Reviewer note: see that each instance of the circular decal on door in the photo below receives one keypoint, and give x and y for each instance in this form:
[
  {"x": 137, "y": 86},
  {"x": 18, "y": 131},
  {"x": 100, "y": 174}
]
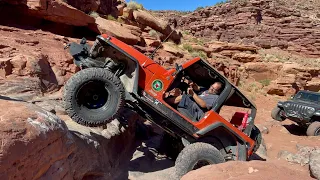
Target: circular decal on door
[{"x": 157, "y": 85}]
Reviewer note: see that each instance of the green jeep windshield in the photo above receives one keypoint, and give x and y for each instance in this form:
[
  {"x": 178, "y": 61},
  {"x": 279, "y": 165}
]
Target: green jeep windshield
[{"x": 308, "y": 97}]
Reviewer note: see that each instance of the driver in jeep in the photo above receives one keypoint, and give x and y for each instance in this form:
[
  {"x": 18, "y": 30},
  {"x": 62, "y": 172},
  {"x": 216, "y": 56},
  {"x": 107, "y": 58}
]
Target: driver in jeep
[{"x": 197, "y": 100}]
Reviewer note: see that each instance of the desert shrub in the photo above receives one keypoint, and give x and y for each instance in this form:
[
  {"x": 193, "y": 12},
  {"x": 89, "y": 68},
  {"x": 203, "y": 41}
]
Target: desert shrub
[
  {"x": 199, "y": 8},
  {"x": 110, "y": 17},
  {"x": 265, "y": 82},
  {"x": 134, "y": 5},
  {"x": 93, "y": 14},
  {"x": 200, "y": 54},
  {"x": 153, "y": 33},
  {"x": 188, "y": 47}
]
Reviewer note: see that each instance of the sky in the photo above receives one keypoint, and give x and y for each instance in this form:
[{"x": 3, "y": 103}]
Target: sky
[{"x": 180, "y": 5}]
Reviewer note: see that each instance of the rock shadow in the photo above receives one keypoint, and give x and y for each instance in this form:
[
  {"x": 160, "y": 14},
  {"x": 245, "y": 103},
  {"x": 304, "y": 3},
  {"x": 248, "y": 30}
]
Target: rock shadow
[
  {"x": 256, "y": 157},
  {"x": 147, "y": 159},
  {"x": 295, "y": 130},
  {"x": 22, "y": 19},
  {"x": 11, "y": 99}
]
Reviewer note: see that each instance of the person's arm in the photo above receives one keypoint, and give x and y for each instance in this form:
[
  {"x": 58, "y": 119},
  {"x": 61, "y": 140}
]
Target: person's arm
[
  {"x": 174, "y": 100},
  {"x": 192, "y": 84},
  {"x": 198, "y": 100},
  {"x": 195, "y": 86}
]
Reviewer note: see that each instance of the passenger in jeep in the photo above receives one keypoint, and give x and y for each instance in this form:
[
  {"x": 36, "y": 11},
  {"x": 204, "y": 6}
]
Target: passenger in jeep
[{"x": 197, "y": 100}]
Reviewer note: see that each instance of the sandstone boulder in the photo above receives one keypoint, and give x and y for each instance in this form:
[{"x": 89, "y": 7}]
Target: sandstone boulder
[
  {"x": 36, "y": 144},
  {"x": 25, "y": 88},
  {"x": 100, "y": 6},
  {"x": 147, "y": 19},
  {"x": 262, "y": 71},
  {"x": 5, "y": 67},
  {"x": 246, "y": 170},
  {"x": 313, "y": 85},
  {"x": 117, "y": 30},
  {"x": 218, "y": 46},
  {"x": 245, "y": 57},
  {"x": 169, "y": 48},
  {"x": 56, "y": 11},
  {"x": 315, "y": 163}
]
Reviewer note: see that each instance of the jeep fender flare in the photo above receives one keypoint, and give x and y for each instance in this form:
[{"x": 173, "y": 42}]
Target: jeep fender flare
[{"x": 242, "y": 148}]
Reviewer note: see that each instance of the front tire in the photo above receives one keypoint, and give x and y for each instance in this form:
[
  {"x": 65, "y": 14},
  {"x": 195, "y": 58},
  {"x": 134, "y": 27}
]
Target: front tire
[
  {"x": 93, "y": 97},
  {"x": 195, "y": 156},
  {"x": 314, "y": 129},
  {"x": 275, "y": 114}
]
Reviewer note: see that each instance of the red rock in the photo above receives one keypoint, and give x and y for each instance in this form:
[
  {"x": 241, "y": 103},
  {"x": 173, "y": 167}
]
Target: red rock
[
  {"x": 287, "y": 79},
  {"x": 245, "y": 57},
  {"x": 5, "y": 67},
  {"x": 25, "y": 88},
  {"x": 147, "y": 19},
  {"x": 151, "y": 42},
  {"x": 172, "y": 50},
  {"x": 117, "y": 30},
  {"x": 281, "y": 24},
  {"x": 313, "y": 85},
  {"x": 19, "y": 63},
  {"x": 247, "y": 170},
  {"x": 38, "y": 144}
]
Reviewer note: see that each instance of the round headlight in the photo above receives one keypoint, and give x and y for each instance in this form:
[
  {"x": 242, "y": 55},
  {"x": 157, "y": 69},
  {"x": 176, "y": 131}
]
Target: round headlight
[
  {"x": 287, "y": 105},
  {"x": 311, "y": 110}
]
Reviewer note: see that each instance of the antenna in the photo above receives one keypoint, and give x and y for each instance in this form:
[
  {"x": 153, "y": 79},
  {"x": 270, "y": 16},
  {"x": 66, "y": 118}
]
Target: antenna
[{"x": 174, "y": 28}]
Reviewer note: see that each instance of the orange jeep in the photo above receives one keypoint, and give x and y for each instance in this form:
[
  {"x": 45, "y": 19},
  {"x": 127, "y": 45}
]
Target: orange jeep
[{"x": 115, "y": 75}]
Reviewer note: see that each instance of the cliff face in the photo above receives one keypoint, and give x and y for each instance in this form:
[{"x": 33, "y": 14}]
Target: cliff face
[{"x": 292, "y": 26}]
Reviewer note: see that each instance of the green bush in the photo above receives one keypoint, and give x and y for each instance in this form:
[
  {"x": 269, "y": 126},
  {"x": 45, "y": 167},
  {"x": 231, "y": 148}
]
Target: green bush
[
  {"x": 188, "y": 47},
  {"x": 200, "y": 54},
  {"x": 93, "y": 14},
  {"x": 199, "y": 8},
  {"x": 110, "y": 17},
  {"x": 134, "y": 5},
  {"x": 265, "y": 82},
  {"x": 153, "y": 33}
]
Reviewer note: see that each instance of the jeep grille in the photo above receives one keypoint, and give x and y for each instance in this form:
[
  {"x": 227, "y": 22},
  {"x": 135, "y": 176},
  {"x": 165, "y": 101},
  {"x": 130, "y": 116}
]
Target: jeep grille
[{"x": 297, "y": 108}]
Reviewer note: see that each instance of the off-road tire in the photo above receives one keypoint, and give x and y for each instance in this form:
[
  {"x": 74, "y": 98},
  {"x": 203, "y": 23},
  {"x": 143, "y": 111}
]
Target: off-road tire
[
  {"x": 314, "y": 129},
  {"x": 99, "y": 116},
  {"x": 192, "y": 154},
  {"x": 275, "y": 114},
  {"x": 257, "y": 137}
]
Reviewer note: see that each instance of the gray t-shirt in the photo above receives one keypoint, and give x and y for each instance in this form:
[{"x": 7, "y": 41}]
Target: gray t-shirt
[{"x": 210, "y": 99}]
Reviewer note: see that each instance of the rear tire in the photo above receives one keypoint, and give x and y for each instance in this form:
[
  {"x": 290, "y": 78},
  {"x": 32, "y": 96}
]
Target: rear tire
[
  {"x": 195, "y": 156},
  {"x": 257, "y": 137},
  {"x": 93, "y": 97},
  {"x": 275, "y": 114},
  {"x": 314, "y": 129}
]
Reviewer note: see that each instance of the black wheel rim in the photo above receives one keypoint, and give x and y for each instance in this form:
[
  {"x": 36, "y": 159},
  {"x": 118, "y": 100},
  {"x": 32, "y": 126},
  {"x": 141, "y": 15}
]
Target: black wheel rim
[
  {"x": 200, "y": 164},
  {"x": 93, "y": 95}
]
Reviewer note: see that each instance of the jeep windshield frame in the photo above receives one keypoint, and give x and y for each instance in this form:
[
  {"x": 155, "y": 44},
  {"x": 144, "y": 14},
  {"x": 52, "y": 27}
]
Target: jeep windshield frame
[{"x": 307, "y": 96}]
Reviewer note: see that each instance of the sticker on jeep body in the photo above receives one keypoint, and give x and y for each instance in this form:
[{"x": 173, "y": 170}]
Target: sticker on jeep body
[{"x": 157, "y": 85}]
